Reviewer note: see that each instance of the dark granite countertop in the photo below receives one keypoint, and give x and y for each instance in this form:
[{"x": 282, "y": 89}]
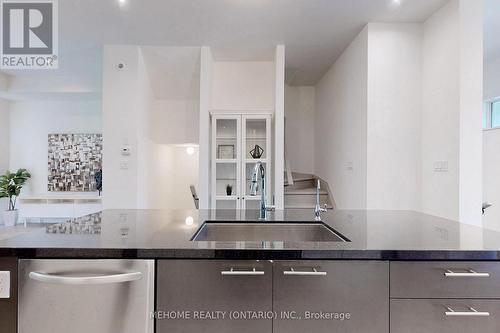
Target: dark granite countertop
[{"x": 374, "y": 235}]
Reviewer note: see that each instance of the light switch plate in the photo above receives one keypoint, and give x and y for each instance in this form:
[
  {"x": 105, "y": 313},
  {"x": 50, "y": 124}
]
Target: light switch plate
[{"x": 4, "y": 284}]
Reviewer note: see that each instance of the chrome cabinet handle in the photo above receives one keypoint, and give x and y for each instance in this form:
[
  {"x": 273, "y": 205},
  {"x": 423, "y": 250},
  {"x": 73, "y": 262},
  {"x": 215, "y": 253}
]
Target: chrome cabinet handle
[
  {"x": 472, "y": 313},
  {"x": 314, "y": 272},
  {"x": 233, "y": 272},
  {"x": 85, "y": 280},
  {"x": 469, "y": 273}
]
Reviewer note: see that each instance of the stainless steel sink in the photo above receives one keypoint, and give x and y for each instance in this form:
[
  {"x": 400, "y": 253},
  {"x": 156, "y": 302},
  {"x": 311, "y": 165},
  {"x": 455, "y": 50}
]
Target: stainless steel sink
[{"x": 267, "y": 231}]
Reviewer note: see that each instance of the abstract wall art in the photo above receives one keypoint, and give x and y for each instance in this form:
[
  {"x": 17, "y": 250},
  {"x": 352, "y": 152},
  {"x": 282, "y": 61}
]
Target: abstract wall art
[{"x": 73, "y": 160}]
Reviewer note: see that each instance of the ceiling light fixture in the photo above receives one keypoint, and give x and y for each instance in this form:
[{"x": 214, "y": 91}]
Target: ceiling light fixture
[
  {"x": 396, "y": 2},
  {"x": 190, "y": 150},
  {"x": 122, "y": 2}
]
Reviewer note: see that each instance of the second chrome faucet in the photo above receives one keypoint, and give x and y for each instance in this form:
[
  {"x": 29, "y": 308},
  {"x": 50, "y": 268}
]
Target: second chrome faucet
[{"x": 318, "y": 209}]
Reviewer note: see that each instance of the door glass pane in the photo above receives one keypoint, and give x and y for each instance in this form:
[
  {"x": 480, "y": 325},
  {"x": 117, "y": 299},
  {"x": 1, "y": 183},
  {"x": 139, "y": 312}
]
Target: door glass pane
[
  {"x": 226, "y": 184},
  {"x": 248, "y": 178},
  {"x": 226, "y": 204},
  {"x": 252, "y": 204},
  {"x": 226, "y": 138},
  {"x": 495, "y": 114},
  {"x": 255, "y": 145}
]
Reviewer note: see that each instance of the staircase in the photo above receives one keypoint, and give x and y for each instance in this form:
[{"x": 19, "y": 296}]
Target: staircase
[{"x": 302, "y": 193}]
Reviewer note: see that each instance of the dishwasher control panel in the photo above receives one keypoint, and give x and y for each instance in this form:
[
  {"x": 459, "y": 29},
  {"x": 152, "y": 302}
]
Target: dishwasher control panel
[{"x": 4, "y": 284}]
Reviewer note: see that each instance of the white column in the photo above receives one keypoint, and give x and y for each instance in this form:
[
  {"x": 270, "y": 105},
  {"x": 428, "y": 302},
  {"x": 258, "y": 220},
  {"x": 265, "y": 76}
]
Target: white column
[
  {"x": 204, "y": 138},
  {"x": 471, "y": 104},
  {"x": 279, "y": 123}
]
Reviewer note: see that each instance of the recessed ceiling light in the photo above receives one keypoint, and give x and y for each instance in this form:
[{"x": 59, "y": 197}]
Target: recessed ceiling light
[{"x": 190, "y": 150}]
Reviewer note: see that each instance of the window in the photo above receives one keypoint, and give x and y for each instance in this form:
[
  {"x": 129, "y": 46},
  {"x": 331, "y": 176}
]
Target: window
[
  {"x": 495, "y": 114},
  {"x": 491, "y": 115}
]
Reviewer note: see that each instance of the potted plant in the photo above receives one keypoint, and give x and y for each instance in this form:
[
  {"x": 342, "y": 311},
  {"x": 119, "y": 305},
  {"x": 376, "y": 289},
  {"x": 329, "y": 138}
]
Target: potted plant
[{"x": 10, "y": 187}]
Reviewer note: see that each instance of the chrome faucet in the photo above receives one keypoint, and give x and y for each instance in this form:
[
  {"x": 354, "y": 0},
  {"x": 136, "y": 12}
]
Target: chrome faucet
[
  {"x": 254, "y": 187},
  {"x": 318, "y": 209}
]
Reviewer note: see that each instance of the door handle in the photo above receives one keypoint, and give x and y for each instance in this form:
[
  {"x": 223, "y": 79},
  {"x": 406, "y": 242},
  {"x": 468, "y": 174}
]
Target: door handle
[
  {"x": 85, "y": 280},
  {"x": 469, "y": 273},
  {"x": 472, "y": 313},
  {"x": 314, "y": 272},
  {"x": 233, "y": 272}
]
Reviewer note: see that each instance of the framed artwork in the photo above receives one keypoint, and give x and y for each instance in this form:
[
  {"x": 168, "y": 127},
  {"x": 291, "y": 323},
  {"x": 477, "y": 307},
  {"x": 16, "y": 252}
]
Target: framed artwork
[
  {"x": 73, "y": 161},
  {"x": 225, "y": 151}
]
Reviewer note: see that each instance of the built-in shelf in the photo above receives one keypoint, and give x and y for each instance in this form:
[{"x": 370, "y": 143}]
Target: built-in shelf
[
  {"x": 245, "y": 130},
  {"x": 255, "y": 160},
  {"x": 226, "y": 160},
  {"x": 226, "y": 197}
]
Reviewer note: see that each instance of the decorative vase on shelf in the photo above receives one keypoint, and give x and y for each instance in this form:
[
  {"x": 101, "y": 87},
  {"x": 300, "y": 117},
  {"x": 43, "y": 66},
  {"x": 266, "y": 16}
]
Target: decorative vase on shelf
[
  {"x": 257, "y": 152},
  {"x": 10, "y": 217},
  {"x": 229, "y": 189}
]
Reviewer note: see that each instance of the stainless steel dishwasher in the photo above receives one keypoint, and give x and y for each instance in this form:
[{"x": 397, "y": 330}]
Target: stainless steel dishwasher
[{"x": 83, "y": 296}]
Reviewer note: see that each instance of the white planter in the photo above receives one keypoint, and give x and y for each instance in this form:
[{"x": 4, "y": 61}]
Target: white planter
[{"x": 10, "y": 217}]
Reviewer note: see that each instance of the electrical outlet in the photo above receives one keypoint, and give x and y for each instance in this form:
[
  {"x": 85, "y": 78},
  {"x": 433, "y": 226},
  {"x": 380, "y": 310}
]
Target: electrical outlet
[{"x": 5, "y": 284}]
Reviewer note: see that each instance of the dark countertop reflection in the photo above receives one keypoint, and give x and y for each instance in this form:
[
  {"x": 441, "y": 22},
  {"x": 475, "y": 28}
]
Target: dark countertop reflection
[{"x": 376, "y": 234}]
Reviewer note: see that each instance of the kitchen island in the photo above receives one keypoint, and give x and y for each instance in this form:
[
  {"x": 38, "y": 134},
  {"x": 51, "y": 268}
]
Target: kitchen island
[
  {"x": 153, "y": 234},
  {"x": 374, "y": 271}
]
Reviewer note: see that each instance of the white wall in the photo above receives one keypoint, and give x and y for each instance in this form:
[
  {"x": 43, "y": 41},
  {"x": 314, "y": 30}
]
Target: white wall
[
  {"x": 452, "y": 103},
  {"x": 340, "y": 125},
  {"x": 241, "y": 85},
  {"x": 440, "y": 113},
  {"x": 120, "y": 122},
  {"x": 279, "y": 126},
  {"x": 491, "y": 178},
  {"x": 492, "y": 79},
  {"x": 30, "y": 124},
  {"x": 299, "y": 127},
  {"x": 471, "y": 106},
  {"x": 175, "y": 121},
  {"x": 157, "y": 174},
  {"x": 4, "y": 135},
  {"x": 394, "y": 116},
  {"x": 204, "y": 127},
  {"x": 399, "y": 99},
  {"x": 4, "y": 147}
]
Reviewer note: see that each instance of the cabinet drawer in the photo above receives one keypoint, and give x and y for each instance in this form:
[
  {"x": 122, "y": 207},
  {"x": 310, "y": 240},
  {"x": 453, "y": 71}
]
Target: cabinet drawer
[
  {"x": 444, "y": 316},
  {"x": 445, "y": 280},
  {"x": 208, "y": 287},
  {"x": 359, "y": 289}
]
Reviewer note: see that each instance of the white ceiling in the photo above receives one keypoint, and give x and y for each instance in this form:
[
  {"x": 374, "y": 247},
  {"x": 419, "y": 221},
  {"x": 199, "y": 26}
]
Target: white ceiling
[{"x": 315, "y": 32}]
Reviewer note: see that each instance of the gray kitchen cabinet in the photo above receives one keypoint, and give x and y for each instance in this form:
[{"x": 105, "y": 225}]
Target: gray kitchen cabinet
[
  {"x": 354, "y": 293},
  {"x": 445, "y": 279},
  {"x": 200, "y": 296},
  {"x": 444, "y": 315}
]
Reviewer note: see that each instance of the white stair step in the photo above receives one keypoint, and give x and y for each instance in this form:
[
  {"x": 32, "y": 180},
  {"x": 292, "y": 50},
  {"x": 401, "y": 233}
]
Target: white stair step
[
  {"x": 304, "y": 191},
  {"x": 304, "y": 207},
  {"x": 301, "y": 180},
  {"x": 304, "y": 200}
]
